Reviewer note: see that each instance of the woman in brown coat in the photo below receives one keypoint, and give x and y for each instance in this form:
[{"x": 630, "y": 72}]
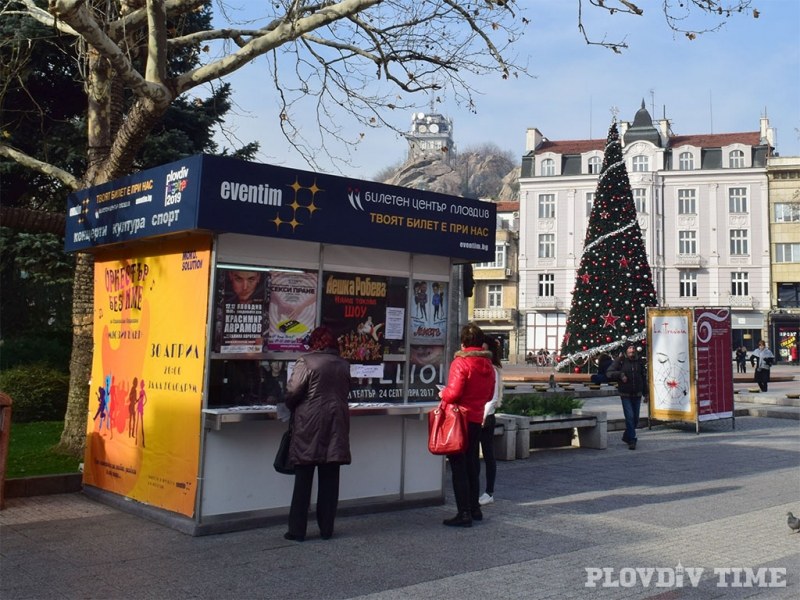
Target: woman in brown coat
[{"x": 317, "y": 396}]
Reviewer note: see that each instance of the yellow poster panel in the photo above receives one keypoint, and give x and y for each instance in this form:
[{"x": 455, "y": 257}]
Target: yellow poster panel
[
  {"x": 673, "y": 389},
  {"x": 143, "y": 430}
]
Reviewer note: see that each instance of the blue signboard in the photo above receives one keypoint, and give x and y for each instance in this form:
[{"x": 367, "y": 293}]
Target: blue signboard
[{"x": 225, "y": 195}]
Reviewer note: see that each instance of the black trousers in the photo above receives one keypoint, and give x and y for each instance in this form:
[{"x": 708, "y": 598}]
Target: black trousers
[
  {"x": 466, "y": 470},
  {"x": 762, "y": 379},
  {"x": 487, "y": 448},
  {"x": 327, "y": 498}
]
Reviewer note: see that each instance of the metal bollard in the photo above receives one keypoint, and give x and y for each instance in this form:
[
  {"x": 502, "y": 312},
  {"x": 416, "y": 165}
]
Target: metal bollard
[{"x": 5, "y": 434}]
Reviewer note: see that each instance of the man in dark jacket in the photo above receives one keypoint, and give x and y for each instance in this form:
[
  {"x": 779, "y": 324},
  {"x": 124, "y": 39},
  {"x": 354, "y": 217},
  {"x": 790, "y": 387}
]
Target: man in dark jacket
[
  {"x": 317, "y": 396},
  {"x": 630, "y": 371}
]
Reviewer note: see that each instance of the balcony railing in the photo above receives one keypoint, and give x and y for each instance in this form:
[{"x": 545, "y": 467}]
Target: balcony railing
[
  {"x": 493, "y": 314},
  {"x": 740, "y": 301},
  {"x": 688, "y": 260},
  {"x": 546, "y": 302}
]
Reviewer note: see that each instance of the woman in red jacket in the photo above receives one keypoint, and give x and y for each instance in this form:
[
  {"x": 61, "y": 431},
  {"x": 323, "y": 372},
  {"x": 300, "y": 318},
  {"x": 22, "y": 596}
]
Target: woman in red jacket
[{"x": 470, "y": 385}]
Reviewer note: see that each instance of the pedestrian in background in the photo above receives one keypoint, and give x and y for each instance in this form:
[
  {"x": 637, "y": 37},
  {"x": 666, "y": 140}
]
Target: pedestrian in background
[
  {"x": 470, "y": 385},
  {"x": 762, "y": 359},
  {"x": 487, "y": 429},
  {"x": 741, "y": 359},
  {"x": 316, "y": 394},
  {"x": 631, "y": 373}
]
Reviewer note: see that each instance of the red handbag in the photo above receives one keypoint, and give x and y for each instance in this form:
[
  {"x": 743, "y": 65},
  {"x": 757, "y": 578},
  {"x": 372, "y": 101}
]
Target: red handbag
[{"x": 447, "y": 429}]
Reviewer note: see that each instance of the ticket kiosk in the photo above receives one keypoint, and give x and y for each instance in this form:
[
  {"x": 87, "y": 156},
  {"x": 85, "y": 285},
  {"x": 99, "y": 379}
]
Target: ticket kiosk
[{"x": 209, "y": 275}]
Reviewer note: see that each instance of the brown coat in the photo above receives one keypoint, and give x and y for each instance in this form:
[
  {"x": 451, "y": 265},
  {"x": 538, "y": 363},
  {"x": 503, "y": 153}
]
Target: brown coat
[{"x": 317, "y": 396}]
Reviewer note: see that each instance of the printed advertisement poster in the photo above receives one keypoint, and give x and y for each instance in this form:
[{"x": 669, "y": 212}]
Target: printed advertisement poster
[
  {"x": 242, "y": 310},
  {"x": 713, "y": 342},
  {"x": 787, "y": 342},
  {"x": 147, "y": 373},
  {"x": 292, "y": 310},
  {"x": 425, "y": 372},
  {"x": 671, "y": 364},
  {"x": 429, "y": 312},
  {"x": 366, "y": 313}
]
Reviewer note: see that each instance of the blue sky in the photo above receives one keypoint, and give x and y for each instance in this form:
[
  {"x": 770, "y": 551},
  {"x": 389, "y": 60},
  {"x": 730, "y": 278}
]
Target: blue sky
[{"x": 720, "y": 82}]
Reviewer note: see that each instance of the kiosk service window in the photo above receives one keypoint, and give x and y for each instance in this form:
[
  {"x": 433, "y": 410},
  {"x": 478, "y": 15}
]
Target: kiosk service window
[{"x": 392, "y": 330}]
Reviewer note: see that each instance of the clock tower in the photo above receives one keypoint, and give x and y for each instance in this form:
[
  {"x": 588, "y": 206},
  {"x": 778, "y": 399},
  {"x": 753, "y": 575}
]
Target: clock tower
[{"x": 431, "y": 136}]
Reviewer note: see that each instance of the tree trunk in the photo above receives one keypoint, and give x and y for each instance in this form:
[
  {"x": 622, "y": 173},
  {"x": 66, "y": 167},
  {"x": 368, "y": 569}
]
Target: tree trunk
[{"x": 80, "y": 369}]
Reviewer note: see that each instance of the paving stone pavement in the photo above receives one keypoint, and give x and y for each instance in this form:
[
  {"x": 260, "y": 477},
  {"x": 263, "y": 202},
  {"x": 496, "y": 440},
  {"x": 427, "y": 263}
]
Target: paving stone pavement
[{"x": 716, "y": 500}]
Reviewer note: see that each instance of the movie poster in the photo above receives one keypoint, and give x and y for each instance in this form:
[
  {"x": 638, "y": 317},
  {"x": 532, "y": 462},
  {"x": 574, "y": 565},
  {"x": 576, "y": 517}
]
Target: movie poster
[
  {"x": 143, "y": 423},
  {"x": 292, "y": 310},
  {"x": 429, "y": 312},
  {"x": 241, "y": 310}
]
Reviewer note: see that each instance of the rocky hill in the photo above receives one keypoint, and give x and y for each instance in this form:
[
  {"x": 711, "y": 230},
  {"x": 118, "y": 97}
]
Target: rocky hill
[{"x": 483, "y": 173}]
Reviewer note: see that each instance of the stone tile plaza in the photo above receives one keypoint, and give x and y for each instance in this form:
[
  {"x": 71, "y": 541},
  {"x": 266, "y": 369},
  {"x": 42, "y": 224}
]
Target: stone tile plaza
[{"x": 685, "y": 516}]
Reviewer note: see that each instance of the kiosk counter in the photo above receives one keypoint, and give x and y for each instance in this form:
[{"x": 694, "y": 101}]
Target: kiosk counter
[{"x": 209, "y": 275}]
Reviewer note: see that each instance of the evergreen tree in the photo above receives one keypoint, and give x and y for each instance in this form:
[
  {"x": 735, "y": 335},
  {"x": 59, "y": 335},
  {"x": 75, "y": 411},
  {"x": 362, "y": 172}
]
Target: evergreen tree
[{"x": 614, "y": 283}]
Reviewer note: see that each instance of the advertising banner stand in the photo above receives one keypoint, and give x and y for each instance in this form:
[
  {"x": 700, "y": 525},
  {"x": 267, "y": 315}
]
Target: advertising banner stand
[
  {"x": 210, "y": 274},
  {"x": 689, "y": 364}
]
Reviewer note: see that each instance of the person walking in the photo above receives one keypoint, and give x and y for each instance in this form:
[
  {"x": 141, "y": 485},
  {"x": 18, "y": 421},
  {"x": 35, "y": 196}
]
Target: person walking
[
  {"x": 470, "y": 384},
  {"x": 741, "y": 359},
  {"x": 630, "y": 371},
  {"x": 762, "y": 359},
  {"x": 487, "y": 428},
  {"x": 316, "y": 394}
]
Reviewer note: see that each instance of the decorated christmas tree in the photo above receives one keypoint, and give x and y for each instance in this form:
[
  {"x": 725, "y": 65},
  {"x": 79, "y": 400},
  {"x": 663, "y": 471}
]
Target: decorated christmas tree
[{"x": 614, "y": 283}]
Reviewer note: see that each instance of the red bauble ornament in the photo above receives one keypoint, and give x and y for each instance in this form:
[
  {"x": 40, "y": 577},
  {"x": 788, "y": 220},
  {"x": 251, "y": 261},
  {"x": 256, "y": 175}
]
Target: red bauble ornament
[{"x": 576, "y": 370}]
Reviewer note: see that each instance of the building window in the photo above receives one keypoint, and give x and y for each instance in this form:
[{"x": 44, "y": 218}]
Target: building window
[
  {"x": 589, "y": 203},
  {"x": 740, "y": 284},
  {"x": 787, "y": 253},
  {"x": 547, "y": 245},
  {"x": 739, "y": 242},
  {"x": 595, "y": 164},
  {"x": 494, "y": 298},
  {"x": 547, "y": 285},
  {"x": 547, "y": 206},
  {"x": 688, "y": 284},
  {"x": 687, "y": 202},
  {"x": 640, "y": 164},
  {"x": 736, "y": 158},
  {"x": 737, "y": 200},
  {"x": 499, "y": 259},
  {"x": 787, "y": 212},
  {"x": 687, "y": 242},
  {"x": 548, "y": 167},
  {"x": 789, "y": 295},
  {"x": 640, "y": 199},
  {"x": 686, "y": 161}
]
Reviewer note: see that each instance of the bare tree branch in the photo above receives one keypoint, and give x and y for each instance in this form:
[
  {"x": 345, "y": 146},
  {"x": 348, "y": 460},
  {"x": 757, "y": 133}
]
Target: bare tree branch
[{"x": 41, "y": 167}]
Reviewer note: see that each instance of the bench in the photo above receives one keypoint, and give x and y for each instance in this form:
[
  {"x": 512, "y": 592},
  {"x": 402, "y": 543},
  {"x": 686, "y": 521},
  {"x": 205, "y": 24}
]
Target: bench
[{"x": 513, "y": 432}]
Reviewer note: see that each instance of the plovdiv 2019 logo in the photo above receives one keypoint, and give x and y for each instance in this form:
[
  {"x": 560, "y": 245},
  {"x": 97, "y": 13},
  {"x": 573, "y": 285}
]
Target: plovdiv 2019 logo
[{"x": 176, "y": 183}]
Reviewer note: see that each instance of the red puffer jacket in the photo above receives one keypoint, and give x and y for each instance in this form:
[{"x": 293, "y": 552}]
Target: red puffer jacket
[{"x": 471, "y": 382}]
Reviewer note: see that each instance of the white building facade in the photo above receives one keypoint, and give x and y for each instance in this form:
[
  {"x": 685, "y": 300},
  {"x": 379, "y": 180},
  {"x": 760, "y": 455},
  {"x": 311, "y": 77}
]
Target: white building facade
[{"x": 702, "y": 202}]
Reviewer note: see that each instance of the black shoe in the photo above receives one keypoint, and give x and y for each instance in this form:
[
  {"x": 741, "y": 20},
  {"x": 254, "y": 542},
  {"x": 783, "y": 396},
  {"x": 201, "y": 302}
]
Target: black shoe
[
  {"x": 625, "y": 439},
  {"x": 632, "y": 445},
  {"x": 294, "y": 538},
  {"x": 462, "y": 519},
  {"x": 325, "y": 536},
  {"x": 477, "y": 515}
]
